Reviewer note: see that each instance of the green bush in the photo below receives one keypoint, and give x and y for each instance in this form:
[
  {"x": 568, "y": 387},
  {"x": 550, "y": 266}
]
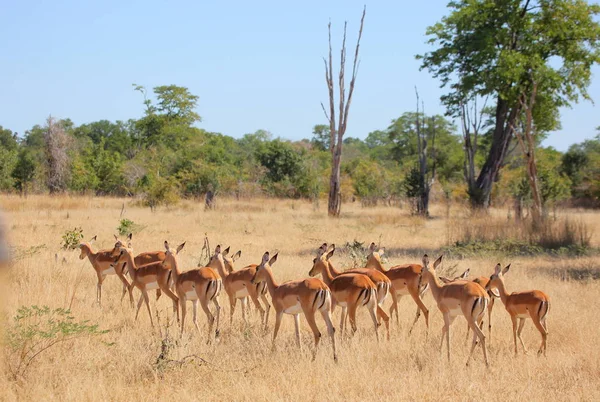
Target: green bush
[{"x": 72, "y": 239}]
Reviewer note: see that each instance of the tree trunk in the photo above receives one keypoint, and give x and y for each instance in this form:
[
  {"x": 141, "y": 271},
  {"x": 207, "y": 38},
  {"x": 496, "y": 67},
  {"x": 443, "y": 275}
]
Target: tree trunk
[
  {"x": 335, "y": 194},
  {"x": 505, "y": 118}
]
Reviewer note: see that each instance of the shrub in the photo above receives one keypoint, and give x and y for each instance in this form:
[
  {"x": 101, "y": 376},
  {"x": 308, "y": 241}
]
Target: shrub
[
  {"x": 127, "y": 226},
  {"x": 72, "y": 239}
]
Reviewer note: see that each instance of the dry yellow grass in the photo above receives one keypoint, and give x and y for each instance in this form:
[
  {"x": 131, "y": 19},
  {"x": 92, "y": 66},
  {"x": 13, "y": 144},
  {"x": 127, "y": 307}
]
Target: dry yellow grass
[{"x": 241, "y": 365}]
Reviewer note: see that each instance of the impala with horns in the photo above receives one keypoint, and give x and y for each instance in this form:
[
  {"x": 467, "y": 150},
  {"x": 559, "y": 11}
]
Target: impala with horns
[
  {"x": 199, "y": 284},
  {"x": 458, "y": 298},
  {"x": 148, "y": 277},
  {"x": 405, "y": 280},
  {"x": 294, "y": 297},
  {"x": 103, "y": 262},
  {"x": 238, "y": 285},
  {"x": 533, "y": 304},
  {"x": 349, "y": 291}
]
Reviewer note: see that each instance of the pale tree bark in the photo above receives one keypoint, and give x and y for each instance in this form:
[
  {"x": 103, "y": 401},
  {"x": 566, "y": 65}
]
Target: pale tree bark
[
  {"x": 337, "y": 129},
  {"x": 525, "y": 135},
  {"x": 426, "y": 177},
  {"x": 472, "y": 121},
  {"x": 56, "y": 146}
]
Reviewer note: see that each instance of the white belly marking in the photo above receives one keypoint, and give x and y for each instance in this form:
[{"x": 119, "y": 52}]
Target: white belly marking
[
  {"x": 295, "y": 309},
  {"x": 152, "y": 286},
  {"x": 241, "y": 293},
  {"x": 110, "y": 271},
  {"x": 191, "y": 295}
]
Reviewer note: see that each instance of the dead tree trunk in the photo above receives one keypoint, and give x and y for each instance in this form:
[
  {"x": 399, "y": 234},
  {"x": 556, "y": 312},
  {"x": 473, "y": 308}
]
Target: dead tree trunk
[
  {"x": 526, "y": 137},
  {"x": 471, "y": 124},
  {"x": 337, "y": 129},
  {"x": 426, "y": 178},
  {"x": 56, "y": 144}
]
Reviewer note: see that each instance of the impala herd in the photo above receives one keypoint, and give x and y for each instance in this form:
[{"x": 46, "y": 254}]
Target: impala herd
[{"x": 352, "y": 289}]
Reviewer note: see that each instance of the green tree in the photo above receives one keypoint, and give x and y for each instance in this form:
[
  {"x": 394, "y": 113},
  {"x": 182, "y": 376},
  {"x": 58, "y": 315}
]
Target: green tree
[
  {"x": 499, "y": 49},
  {"x": 24, "y": 170},
  {"x": 321, "y": 137},
  {"x": 8, "y": 139}
]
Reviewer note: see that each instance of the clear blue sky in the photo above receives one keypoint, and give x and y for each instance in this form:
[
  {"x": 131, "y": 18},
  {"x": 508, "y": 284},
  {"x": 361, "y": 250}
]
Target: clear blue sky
[{"x": 254, "y": 64}]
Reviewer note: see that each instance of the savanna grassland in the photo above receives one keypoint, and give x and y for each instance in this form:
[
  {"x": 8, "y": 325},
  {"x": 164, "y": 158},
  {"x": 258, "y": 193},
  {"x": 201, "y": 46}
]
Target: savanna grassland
[{"x": 122, "y": 363}]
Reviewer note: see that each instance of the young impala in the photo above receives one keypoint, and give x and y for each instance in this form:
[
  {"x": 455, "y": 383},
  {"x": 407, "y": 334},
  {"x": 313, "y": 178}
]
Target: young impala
[
  {"x": 457, "y": 298},
  {"x": 294, "y": 297},
  {"x": 237, "y": 285},
  {"x": 349, "y": 290},
  {"x": 379, "y": 279},
  {"x": 199, "y": 284},
  {"x": 148, "y": 277},
  {"x": 492, "y": 293},
  {"x": 406, "y": 279},
  {"x": 103, "y": 262},
  {"x": 533, "y": 304}
]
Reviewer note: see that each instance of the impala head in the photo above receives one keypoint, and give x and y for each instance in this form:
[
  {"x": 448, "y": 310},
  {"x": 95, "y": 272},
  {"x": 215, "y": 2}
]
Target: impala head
[
  {"x": 263, "y": 268},
  {"x": 431, "y": 270},
  {"x": 119, "y": 243},
  {"x": 321, "y": 261},
  {"x": 497, "y": 277},
  {"x": 374, "y": 257},
  {"x": 123, "y": 254},
  {"x": 170, "y": 254},
  {"x": 230, "y": 259},
  {"x": 86, "y": 248}
]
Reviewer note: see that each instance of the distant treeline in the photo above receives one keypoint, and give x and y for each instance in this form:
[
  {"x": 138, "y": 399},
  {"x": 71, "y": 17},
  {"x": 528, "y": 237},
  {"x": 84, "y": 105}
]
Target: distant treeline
[{"x": 162, "y": 156}]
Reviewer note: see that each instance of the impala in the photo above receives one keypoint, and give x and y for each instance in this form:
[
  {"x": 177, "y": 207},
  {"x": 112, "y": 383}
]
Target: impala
[
  {"x": 379, "y": 279},
  {"x": 457, "y": 298},
  {"x": 349, "y": 290},
  {"x": 533, "y": 304},
  {"x": 238, "y": 285},
  {"x": 148, "y": 277},
  {"x": 405, "y": 279},
  {"x": 103, "y": 263},
  {"x": 294, "y": 297},
  {"x": 492, "y": 293},
  {"x": 199, "y": 284}
]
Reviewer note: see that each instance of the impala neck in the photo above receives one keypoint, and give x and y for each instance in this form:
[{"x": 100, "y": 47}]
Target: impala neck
[
  {"x": 90, "y": 254},
  {"x": 334, "y": 272},
  {"x": 375, "y": 263},
  {"x": 502, "y": 291},
  {"x": 174, "y": 267},
  {"x": 434, "y": 283},
  {"x": 271, "y": 284},
  {"x": 219, "y": 265},
  {"x": 327, "y": 277}
]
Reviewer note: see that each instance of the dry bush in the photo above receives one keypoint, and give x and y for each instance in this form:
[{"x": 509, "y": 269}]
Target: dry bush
[{"x": 241, "y": 366}]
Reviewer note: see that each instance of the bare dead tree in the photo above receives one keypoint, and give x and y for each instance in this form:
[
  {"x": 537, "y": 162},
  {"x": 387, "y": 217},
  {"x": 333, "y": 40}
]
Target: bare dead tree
[
  {"x": 426, "y": 177},
  {"x": 525, "y": 134},
  {"x": 337, "y": 129},
  {"x": 56, "y": 145}
]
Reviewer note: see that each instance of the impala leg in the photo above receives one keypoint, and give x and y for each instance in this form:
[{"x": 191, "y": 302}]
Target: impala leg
[
  {"x": 540, "y": 327},
  {"x": 514, "y": 324},
  {"x": 263, "y": 297},
  {"x": 310, "y": 318},
  {"x": 175, "y": 300},
  {"x": 232, "y": 302},
  {"x": 414, "y": 292},
  {"x": 195, "y": 314},
  {"x": 139, "y": 306},
  {"x": 126, "y": 287},
  {"x": 386, "y": 320},
  {"x": 278, "y": 317},
  {"x": 297, "y": 327},
  {"x": 448, "y": 321},
  {"x": 243, "y": 302},
  {"x": 478, "y": 333},
  {"x": 183, "y": 302},
  {"x": 330, "y": 330},
  {"x": 352, "y": 315},
  {"x": 343, "y": 320},
  {"x": 373, "y": 312},
  {"x": 490, "y": 307},
  {"x": 394, "y": 306},
  {"x": 254, "y": 298},
  {"x": 147, "y": 302},
  {"x": 209, "y": 316},
  {"x": 218, "y": 314},
  {"x": 521, "y": 325},
  {"x": 99, "y": 288}
]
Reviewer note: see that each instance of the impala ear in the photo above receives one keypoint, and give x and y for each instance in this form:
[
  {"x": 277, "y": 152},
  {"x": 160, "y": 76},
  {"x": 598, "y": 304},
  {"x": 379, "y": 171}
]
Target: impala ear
[
  {"x": 218, "y": 249},
  {"x": 505, "y": 270},
  {"x": 495, "y": 292},
  {"x": 425, "y": 260},
  {"x": 372, "y": 247},
  {"x": 226, "y": 251},
  {"x": 130, "y": 236},
  {"x": 381, "y": 251},
  {"x": 330, "y": 254},
  {"x": 166, "y": 245},
  {"x": 497, "y": 269},
  {"x": 265, "y": 258},
  {"x": 116, "y": 238},
  {"x": 444, "y": 279},
  {"x": 438, "y": 261},
  {"x": 323, "y": 247},
  {"x": 180, "y": 247},
  {"x": 237, "y": 255},
  {"x": 273, "y": 259},
  {"x": 93, "y": 239},
  {"x": 465, "y": 274},
  {"x": 332, "y": 246}
]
